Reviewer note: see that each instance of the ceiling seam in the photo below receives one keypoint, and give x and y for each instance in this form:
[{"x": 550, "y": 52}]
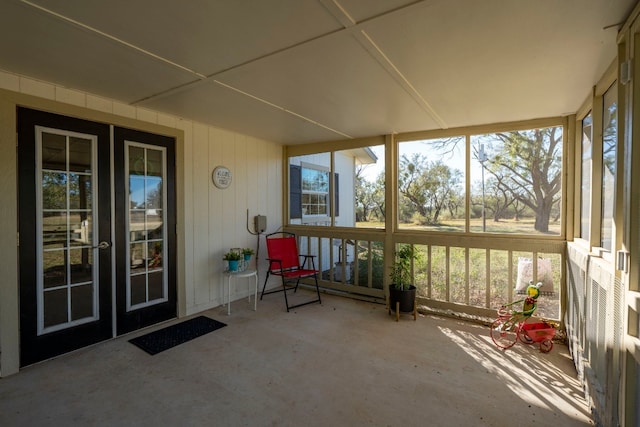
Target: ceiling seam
[
  {"x": 336, "y": 10},
  {"x": 113, "y": 38},
  {"x": 350, "y": 24},
  {"x": 388, "y": 65},
  {"x": 271, "y": 104},
  {"x": 218, "y": 74}
]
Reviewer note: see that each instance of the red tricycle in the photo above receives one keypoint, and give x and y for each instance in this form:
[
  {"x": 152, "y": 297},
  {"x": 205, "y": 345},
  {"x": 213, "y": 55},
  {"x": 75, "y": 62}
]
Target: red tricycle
[{"x": 511, "y": 325}]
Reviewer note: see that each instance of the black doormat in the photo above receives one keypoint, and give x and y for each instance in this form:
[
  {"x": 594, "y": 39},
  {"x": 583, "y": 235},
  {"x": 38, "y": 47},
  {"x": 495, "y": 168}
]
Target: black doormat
[{"x": 171, "y": 336}]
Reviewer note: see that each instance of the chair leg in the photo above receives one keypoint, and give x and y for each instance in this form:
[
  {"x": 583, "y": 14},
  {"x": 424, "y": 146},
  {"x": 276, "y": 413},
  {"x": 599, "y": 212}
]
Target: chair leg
[
  {"x": 284, "y": 290},
  {"x": 264, "y": 286},
  {"x": 317, "y": 288}
]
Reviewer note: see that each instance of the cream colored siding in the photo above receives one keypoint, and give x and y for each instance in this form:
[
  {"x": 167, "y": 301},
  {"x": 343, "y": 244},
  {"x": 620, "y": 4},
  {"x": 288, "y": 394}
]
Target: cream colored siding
[{"x": 9, "y": 335}]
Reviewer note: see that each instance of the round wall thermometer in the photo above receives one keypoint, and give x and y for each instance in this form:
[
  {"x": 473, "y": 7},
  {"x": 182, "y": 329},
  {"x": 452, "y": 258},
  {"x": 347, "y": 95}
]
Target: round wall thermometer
[{"x": 221, "y": 177}]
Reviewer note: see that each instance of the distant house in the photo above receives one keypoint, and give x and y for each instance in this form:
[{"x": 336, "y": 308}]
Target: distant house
[{"x": 310, "y": 187}]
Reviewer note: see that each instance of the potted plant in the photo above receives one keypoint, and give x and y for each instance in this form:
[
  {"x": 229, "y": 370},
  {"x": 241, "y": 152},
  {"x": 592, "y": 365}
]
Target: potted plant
[
  {"x": 247, "y": 252},
  {"x": 232, "y": 257},
  {"x": 402, "y": 292}
]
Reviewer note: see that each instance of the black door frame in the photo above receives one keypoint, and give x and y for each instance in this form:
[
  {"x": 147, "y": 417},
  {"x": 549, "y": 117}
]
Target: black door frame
[{"x": 34, "y": 348}]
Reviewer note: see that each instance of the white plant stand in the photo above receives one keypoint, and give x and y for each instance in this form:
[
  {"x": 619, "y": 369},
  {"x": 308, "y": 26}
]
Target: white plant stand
[{"x": 241, "y": 274}]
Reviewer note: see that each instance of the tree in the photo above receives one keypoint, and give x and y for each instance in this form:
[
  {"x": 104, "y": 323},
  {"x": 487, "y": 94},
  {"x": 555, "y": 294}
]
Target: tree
[
  {"x": 362, "y": 194},
  {"x": 378, "y": 197},
  {"x": 532, "y": 161},
  {"x": 498, "y": 199},
  {"x": 428, "y": 187},
  {"x": 369, "y": 196}
]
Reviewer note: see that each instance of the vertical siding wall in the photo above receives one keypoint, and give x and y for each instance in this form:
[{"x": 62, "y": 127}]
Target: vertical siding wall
[
  {"x": 218, "y": 218},
  {"x": 210, "y": 220},
  {"x": 594, "y": 322}
]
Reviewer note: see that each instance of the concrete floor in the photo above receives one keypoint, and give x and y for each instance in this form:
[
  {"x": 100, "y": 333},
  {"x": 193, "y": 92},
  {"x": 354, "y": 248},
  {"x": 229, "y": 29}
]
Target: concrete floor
[{"x": 342, "y": 363}]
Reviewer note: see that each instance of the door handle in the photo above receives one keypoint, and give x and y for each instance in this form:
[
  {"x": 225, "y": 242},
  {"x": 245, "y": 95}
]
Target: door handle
[{"x": 102, "y": 245}]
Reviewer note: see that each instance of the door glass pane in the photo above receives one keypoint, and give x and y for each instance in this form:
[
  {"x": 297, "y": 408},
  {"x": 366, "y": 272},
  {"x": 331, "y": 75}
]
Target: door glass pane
[
  {"x": 155, "y": 255},
  {"x": 137, "y": 257},
  {"x": 136, "y": 192},
  {"x": 154, "y": 193},
  {"x": 81, "y": 302},
  {"x": 155, "y": 286},
  {"x": 147, "y": 276},
  {"x": 54, "y": 190},
  {"x": 138, "y": 284},
  {"x": 136, "y": 161},
  {"x": 81, "y": 265},
  {"x": 79, "y": 154},
  {"x": 79, "y": 191},
  {"x": 80, "y": 228},
  {"x": 67, "y": 276},
  {"x": 155, "y": 228},
  {"x": 55, "y": 268},
  {"x": 154, "y": 163},
  {"x": 54, "y": 149},
  {"x": 137, "y": 228},
  {"x": 54, "y": 228},
  {"x": 55, "y": 307}
]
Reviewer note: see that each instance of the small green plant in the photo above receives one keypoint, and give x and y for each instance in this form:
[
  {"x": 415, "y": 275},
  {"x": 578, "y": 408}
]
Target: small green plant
[
  {"x": 247, "y": 251},
  {"x": 401, "y": 275},
  {"x": 232, "y": 256}
]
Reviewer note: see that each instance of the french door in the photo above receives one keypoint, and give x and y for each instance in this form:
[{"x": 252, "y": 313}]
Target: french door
[
  {"x": 96, "y": 232},
  {"x": 145, "y": 216}
]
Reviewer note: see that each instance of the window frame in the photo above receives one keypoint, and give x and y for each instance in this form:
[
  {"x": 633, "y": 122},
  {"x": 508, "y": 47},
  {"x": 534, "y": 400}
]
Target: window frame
[
  {"x": 327, "y": 194},
  {"x": 594, "y": 105},
  {"x": 603, "y": 218},
  {"x": 580, "y": 165},
  {"x": 468, "y": 133}
]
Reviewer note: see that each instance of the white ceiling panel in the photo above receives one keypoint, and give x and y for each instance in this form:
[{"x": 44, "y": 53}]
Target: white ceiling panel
[
  {"x": 361, "y": 10},
  {"x": 203, "y": 35},
  {"x": 53, "y": 50},
  {"x": 500, "y": 60},
  {"x": 335, "y": 81},
  {"x": 220, "y": 106}
]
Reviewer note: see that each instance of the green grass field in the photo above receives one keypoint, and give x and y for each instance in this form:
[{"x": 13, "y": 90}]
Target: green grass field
[{"x": 523, "y": 226}]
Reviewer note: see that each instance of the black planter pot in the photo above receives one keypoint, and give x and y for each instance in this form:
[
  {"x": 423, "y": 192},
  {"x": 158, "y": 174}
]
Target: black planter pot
[{"x": 406, "y": 298}]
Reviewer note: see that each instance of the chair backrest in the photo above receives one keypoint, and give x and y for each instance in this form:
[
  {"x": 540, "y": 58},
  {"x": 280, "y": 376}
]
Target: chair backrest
[{"x": 285, "y": 249}]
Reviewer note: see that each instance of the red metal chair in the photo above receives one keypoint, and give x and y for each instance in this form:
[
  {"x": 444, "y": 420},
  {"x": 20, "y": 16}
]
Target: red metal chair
[{"x": 284, "y": 261}]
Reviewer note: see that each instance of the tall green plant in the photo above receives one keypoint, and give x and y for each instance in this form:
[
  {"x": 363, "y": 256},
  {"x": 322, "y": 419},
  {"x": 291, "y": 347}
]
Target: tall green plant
[{"x": 401, "y": 274}]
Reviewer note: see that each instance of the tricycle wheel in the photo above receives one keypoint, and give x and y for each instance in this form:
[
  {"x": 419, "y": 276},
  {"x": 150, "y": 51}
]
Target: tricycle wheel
[
  {"x": 524, "y": 337},
  {"x": 546, "y": 346},
  {"x": 504, "y": 332}
]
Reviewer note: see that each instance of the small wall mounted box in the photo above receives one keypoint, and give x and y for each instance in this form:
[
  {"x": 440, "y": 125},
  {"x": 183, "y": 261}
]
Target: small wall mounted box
[{"x": 260, "y": 223}]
